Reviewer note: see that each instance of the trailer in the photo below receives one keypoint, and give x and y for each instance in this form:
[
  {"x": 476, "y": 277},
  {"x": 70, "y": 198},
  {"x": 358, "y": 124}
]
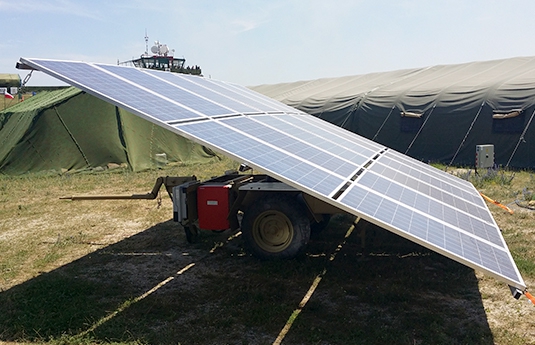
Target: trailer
[
  {"x": 313, "y": 169},
  {"x": 276, "y": 220}
]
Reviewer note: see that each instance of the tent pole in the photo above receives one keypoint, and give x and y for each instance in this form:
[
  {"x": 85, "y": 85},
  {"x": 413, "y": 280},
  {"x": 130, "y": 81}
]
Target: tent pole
[
  {"x": 420, "y": 130},
  {"x": 384, "y": 122},
  {"x": 466, "y": 135},
  {"x": 521, "y": 138},
  {"x": 72, "y": 137}
]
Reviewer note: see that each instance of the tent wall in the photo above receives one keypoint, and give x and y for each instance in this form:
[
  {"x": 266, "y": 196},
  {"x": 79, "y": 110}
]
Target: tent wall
[
  {"x": 146, "y": 142},
  {"x": 456, "y": 104},
  {"x": 68, "y": 129}
]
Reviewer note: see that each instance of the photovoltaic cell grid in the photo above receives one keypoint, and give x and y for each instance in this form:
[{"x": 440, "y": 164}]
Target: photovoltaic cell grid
[{"x": 410, "y": 198}]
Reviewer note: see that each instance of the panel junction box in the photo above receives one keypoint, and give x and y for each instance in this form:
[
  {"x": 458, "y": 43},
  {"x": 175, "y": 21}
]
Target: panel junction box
[{"x": 484, "y": 156}]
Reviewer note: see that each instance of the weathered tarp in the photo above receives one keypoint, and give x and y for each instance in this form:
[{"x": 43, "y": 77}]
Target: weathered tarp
[
  {"x": 68, "y": 129},
  {"x": 437, "y": 114},
  {"x": 8, "y": 80}
]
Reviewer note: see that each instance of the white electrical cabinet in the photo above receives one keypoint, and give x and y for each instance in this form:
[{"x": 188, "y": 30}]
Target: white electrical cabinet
[{"x": 484, "y": 156}]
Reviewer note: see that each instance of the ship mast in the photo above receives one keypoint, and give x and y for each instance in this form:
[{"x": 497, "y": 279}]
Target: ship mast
[{"x": 146, "y": 43}]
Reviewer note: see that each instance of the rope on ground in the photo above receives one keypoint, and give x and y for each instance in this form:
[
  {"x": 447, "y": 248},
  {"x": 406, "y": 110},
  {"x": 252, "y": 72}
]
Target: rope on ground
[
  {"x": 497, "y": 203},
  {"x": 527, "y": 206},
  {"x": 530, "y": 297}
]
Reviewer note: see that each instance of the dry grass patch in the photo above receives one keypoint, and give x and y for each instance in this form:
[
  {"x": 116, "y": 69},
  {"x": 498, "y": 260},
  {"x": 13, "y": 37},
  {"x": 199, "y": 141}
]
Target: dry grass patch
[
  {"x": 39, "y": 232},
  {"x": 107, "y": 271}
]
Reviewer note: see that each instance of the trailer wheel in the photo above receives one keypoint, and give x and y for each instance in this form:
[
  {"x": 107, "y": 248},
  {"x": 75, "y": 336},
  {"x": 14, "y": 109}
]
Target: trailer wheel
[{"x": 276, "y": 227}]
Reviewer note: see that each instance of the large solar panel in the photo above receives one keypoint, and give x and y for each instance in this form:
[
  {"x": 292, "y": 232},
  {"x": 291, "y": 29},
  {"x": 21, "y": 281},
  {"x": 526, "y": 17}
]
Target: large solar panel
[{"x": 398, "y": 193}]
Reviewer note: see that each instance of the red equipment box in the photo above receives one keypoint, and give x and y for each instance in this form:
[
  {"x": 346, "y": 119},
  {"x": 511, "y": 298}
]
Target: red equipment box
[{"x": 213, "y": 206}]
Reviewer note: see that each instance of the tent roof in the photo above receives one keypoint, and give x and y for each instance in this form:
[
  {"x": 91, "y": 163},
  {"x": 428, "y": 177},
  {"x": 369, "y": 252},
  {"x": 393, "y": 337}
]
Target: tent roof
[
  {"x": 43, "y": 100},
  {"x": 9, "y": 79},
  {"x": 436, "y": 114},
  {"x": 505, "y": 84}
]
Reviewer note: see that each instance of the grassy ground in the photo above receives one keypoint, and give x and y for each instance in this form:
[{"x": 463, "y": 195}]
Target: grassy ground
[{"x": 122, "y": 272}]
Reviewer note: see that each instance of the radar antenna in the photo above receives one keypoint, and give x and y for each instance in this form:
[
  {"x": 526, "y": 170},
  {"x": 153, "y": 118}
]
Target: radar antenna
[{"x": 161, "y": 49}]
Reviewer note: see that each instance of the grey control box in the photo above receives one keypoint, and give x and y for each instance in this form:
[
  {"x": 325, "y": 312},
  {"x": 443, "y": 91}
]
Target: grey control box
[{"x": 484, "y": 156}]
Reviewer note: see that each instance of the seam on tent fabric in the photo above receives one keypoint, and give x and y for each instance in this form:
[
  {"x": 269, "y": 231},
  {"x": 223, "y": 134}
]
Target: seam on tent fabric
[
  {"x": 36, "y": 149},
  {"x": 467, "y": 133},
  {"x": 151, "y": 153},
  {"x": 521, "y": 138},
  {"x": 300, "y": 88},
  {"x": 356, "y": 106},
  {"x": 384, "y": 122},
  {"x": 421, "y": 128},
  {"x": 495, "y": 86},
  {"x": 19, "y": 120},
  {"x": 72, "y": 137},
  {"x": 120, "y": 133}
]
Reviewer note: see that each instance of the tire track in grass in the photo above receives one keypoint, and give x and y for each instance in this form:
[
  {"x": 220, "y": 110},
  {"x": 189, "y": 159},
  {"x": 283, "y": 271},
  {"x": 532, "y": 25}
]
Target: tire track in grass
[
  {"x": 312, "y": 287},
  {"x": 141, "y": 297}
]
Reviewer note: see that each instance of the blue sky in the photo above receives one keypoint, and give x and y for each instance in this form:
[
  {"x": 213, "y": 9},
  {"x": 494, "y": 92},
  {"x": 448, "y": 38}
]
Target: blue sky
[{"x": 264, "y": 42}]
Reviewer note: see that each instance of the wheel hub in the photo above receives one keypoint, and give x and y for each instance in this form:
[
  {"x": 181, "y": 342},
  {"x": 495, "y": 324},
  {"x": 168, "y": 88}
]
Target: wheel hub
[{"x": 273, "y": 231}]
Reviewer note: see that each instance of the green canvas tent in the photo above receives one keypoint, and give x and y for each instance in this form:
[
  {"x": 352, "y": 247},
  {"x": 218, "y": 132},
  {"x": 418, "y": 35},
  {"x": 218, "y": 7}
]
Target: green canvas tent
[
  {"x": 9, "y": 80},
  {"x": 437, "y": 114},
  {"x": 67, "y": 129}
]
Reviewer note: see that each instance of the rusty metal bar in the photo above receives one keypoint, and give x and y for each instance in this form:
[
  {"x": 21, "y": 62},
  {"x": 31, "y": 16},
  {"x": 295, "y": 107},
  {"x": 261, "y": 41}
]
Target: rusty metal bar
[{"x": 168, "y": 181}]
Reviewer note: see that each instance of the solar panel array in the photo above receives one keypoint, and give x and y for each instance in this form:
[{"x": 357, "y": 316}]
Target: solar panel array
[{"x": 405, "y": 196}]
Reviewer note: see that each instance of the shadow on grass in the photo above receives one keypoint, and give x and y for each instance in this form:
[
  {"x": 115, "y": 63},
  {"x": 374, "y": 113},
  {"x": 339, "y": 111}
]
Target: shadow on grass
[{"x": 398, "y": 294}]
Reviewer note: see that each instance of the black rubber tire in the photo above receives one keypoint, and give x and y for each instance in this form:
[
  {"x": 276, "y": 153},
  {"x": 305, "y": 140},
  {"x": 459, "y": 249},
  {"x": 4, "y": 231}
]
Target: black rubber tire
[{"x": 276, "y": 227}]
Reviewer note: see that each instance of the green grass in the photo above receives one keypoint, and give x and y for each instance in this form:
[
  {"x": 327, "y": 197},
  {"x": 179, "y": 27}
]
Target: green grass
[{"x": 81, "y": 273}]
